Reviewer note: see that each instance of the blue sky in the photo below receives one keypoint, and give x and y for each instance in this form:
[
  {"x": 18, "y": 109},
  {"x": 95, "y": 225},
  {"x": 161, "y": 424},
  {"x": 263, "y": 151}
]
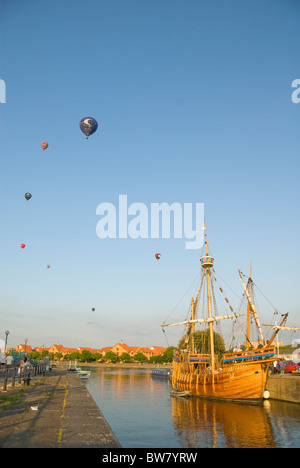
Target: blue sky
[{"x": 193, "y": 102}]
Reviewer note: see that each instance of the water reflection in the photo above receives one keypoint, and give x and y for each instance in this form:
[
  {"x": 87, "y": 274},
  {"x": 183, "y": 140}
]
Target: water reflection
[
  {"x": 140, "y": 411},
  {"x": 214, "y": 424}
]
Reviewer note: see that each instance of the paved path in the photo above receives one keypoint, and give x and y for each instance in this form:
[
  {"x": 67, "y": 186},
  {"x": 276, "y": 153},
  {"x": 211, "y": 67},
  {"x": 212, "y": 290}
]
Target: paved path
[{"x": 54, "y": 411}]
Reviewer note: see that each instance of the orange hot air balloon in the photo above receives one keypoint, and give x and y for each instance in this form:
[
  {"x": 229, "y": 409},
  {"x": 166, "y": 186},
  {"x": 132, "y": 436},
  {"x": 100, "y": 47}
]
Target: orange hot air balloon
[
  {"x": 48, "y": 266},
  {"x": 22, "y": 246},
  {"x": 44, "y": 145}
]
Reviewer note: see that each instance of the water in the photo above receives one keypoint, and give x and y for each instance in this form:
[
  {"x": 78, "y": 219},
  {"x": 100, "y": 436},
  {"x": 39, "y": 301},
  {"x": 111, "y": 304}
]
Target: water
[{"x": 141, "y": 413}]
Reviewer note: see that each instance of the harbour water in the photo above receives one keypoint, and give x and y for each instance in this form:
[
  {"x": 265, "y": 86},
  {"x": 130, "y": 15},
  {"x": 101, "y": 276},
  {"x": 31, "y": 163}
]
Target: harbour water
[{"x": 141, "y": 413}]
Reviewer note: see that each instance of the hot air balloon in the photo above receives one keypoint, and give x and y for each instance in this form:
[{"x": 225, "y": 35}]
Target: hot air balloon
[
  {"x": 22, "y": 246},
  {"x": 88, "y": 126},
  {"x": 157, "y": 256},
  {"x": 93, "y": 309},
  {"x": 48, "y": 266},
  {"x": 44, "y": 145},
  {"x": 27, "y": 196}
]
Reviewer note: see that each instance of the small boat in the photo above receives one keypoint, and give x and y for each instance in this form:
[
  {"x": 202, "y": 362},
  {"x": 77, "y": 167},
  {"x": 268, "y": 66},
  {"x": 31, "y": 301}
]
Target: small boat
[
  {"x": 84, "y": 374},
  {"x": 165, "y": 373},
  {"x": 178, "y": 393},
  {"x": 75, "y": 368}
]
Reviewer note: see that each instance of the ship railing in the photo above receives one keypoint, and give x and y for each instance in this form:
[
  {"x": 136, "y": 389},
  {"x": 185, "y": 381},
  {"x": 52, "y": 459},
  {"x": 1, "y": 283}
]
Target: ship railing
[
  {"x": 253, "y": 355},
  {"x": 199, "y": 357},
  {"x": 186, "y": 356}
]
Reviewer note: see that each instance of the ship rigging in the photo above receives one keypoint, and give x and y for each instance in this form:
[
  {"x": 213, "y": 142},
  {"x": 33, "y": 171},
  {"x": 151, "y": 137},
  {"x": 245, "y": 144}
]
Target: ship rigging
[{"x": 206, "y": 369}]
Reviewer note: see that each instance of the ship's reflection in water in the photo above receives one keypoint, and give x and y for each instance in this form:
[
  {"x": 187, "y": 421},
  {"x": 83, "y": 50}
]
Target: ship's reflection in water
[
  {"x": 208, "y": 423},
  {"x": 140, "y": 411}
]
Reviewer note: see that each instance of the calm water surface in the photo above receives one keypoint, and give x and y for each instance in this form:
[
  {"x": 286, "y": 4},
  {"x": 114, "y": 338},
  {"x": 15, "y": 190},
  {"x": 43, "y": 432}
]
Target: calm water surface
[{"x": 141, "y": 413}]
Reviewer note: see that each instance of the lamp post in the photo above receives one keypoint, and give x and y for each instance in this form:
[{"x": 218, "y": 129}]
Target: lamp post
[
  {"x": 6, "y": 336},
  {"x": 26, "y": 341}
]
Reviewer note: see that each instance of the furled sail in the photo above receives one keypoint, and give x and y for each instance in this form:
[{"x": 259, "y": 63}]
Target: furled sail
[
  {"x": 205, "y": 320},
  {"x": 252, "y": 308},
  {"x": 279, "y": 327}
]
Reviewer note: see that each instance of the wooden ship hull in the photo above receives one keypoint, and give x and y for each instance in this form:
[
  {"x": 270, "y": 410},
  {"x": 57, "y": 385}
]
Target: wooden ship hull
[
  {"x": 243, "y": 382},
  {"x": 240, "y": 376}
]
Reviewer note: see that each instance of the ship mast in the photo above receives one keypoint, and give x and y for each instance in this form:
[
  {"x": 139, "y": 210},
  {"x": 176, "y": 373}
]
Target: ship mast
[
  {"x": 253, "y": 309},
  {"x": 277, "y": 328},
  {"x": 207, "y": 263},
  {"x": 248, "y": 311},
  {"x": 193, "y": 326}
]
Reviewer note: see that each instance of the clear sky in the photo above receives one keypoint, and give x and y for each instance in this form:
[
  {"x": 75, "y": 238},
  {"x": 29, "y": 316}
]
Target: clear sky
[{"x": 193, "y": 102}]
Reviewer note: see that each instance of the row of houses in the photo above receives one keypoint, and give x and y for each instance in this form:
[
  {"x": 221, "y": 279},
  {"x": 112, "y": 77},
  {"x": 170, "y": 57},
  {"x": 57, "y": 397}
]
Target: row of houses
[{"x": 117, "y": 349}]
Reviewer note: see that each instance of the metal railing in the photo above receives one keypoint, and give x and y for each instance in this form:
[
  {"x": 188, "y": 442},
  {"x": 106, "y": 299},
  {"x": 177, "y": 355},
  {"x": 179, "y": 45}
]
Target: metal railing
[{"x": 19, "y": 375}]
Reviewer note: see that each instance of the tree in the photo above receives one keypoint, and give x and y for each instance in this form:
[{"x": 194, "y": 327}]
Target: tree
[
  {"x": 140, "y": 357},
  {"x": 110, "y": 356},
  {"x": 125, "y": 357},
  {"x": 86, "y": 355},
  {"x": 202, "y": 342},
  {"x": 73, "y": 356},
  {"x": 168, "y": 354},
  {"x": 157, "y": 359},
  {"x": 58, "y": 356},
  {"x": 96, "y": 356}
]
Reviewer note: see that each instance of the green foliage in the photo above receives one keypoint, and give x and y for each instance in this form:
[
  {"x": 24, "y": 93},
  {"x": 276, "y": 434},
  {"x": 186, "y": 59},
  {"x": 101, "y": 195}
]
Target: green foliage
[
  {"x": 86, "y": 355},
  {"x": 96, "y": 356},
  {"x": 73, "y": 356},
  {"x": 125, "y": 357},
  {"x": 8, "y": 402},
  {"x": 202, "y": 342},
  {"x": 140, "y": 357},
  {"x": 168, "y": 354},
  {"x": 156, "y": 360},
  {"x": 110, "y": 356}
]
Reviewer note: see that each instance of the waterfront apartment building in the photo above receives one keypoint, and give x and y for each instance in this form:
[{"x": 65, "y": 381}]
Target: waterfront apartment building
[{"x": 118, "y": 349}]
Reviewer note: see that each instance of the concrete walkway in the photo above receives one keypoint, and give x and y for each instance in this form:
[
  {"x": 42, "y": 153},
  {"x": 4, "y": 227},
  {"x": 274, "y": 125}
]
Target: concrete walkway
[{"x": 54, "y": 411}]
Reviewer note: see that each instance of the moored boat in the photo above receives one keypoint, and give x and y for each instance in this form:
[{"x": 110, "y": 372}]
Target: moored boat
[
  {"x": 84, "y": 374},
  {"x": 181, "y": 394},
  {"x": 164, "y": 373},
  {"x": 236, "y": 376},
  {"x": 73, "y": 368}
]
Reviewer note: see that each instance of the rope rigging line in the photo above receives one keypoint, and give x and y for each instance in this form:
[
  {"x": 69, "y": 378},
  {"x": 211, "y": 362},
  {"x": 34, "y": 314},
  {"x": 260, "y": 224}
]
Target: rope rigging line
[
  {"x": 262, "y": 294},
  {"x": 218, "y": 325},
  {"x": 164, "y": 331},
  {"x": 227, "y": 285},
  {"x": 197, "y": 276},
  {"x": 226, "y": 300}
]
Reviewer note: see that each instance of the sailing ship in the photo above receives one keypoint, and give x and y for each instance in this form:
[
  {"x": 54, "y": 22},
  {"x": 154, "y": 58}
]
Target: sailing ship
[{"x": 238, "y": 376}]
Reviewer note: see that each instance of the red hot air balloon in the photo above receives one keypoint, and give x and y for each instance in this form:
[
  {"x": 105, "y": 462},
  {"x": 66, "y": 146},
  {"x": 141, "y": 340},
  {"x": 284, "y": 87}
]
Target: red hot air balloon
[
  {"x": 22, "y": 246},
  {"x": 44, "y": 145},
  {"x": 157, "y": 256}
]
